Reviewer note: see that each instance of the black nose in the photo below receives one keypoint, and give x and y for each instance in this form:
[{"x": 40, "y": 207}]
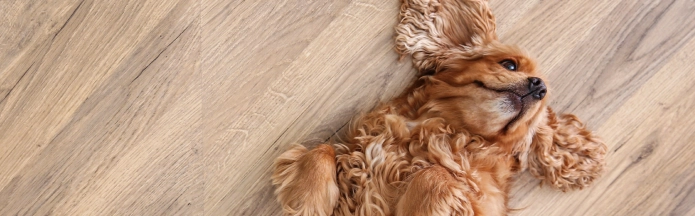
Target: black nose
[{"x": 537, "y": 87}]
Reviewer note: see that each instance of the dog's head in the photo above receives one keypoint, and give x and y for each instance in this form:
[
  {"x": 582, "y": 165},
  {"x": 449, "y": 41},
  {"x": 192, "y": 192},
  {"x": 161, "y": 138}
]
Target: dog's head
[{"x": 494, "y": 90}]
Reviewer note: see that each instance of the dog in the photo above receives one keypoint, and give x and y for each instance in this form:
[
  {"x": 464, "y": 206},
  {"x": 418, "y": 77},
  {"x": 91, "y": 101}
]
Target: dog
[{"x": 452, "y": 143}]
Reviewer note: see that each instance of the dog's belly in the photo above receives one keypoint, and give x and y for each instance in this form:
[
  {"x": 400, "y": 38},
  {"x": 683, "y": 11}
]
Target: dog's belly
[
  {"x": 493, "y": 174},
  {"x": 494, "y": 199},
  {"x": 372, "y": 170},
  {"x": 372, "y": 180}
]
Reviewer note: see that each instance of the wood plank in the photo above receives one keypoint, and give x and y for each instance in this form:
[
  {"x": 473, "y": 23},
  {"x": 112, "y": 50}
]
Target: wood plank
[
  {"x": 621, "y": 53},
  {"x": 108, "y": 87}
]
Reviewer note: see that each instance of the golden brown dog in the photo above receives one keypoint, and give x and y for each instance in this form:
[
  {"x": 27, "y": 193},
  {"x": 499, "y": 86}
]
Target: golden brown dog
[{"x": 450, "y": 144}]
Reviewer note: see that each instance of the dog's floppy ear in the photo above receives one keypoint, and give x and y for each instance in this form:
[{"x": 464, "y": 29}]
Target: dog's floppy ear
[
  {"x": 431, "y": 30},
  {"x": 566, "y": 155}
]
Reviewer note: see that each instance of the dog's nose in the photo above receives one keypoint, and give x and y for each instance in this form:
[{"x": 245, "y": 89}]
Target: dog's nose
[{"x": 537, "y": 87}]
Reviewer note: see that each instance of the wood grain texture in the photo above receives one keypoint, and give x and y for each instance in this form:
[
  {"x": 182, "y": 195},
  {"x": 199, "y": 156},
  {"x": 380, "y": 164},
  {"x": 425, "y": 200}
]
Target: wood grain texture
[{"x": 179, "y": 107}]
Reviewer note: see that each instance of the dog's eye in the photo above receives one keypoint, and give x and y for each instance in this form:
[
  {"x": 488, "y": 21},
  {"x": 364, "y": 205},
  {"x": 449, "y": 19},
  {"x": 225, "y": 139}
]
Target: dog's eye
[{"x": 508, "y": 64}]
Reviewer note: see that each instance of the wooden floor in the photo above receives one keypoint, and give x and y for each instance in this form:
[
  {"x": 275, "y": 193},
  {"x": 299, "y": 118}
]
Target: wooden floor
[{"x": 179, "y": 107}]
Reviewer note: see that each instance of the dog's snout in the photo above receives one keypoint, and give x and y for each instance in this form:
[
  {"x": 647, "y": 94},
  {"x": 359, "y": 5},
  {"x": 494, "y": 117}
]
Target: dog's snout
[{"x": 537, "y": 87}]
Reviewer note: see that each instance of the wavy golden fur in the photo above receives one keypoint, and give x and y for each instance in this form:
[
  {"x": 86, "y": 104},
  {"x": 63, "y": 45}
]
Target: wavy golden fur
[{"x": 451, "y": 143}]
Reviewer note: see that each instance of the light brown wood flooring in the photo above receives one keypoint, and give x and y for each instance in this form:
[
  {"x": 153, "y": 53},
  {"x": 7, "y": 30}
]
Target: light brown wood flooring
[{"x": 145, "y": 107}]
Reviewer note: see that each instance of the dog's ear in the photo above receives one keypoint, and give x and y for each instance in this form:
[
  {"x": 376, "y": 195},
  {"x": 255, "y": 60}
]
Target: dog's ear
[
  {"x": 431, "y": 30},
  {"x": 566, "y": 155}
]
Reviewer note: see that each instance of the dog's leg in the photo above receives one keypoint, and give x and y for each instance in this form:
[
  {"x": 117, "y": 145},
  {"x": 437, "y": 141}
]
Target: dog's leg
[
  {"x": 305, "y": 180},
  {"x": 434, "y": 191}
]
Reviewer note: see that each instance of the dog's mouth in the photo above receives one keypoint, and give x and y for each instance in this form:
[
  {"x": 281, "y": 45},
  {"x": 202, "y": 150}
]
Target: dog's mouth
[
  {"x": 518, "y": 102},
  {"x": 520, "y": 105}
]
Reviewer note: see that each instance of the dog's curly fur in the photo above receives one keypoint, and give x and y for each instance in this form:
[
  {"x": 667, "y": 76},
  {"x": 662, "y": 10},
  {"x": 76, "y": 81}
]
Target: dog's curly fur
[{"x": 452, "y": 142}]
